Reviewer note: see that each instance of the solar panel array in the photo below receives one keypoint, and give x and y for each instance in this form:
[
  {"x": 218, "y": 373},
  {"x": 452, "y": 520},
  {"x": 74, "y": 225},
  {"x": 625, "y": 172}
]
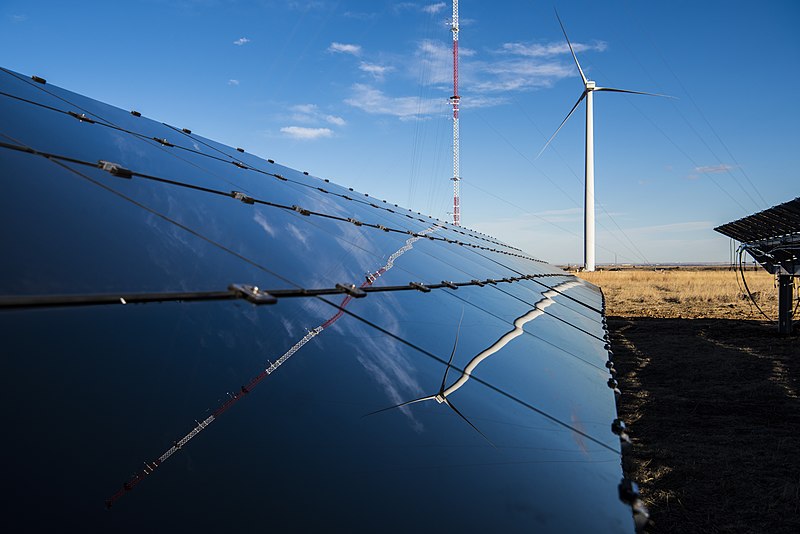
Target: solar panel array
[
  {"x": 771, "y": 236},
  {"x": 777, "y": 221},
  {"x": 197, "y": 338}
]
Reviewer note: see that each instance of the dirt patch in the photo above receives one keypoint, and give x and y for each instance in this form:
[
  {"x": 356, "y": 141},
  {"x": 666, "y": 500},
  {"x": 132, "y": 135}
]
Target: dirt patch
[{"x": 713, "y": 410}]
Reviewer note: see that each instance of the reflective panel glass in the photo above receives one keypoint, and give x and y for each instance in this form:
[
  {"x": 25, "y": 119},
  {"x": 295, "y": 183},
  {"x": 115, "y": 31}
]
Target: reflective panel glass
[{"x": 484, "y": 407}]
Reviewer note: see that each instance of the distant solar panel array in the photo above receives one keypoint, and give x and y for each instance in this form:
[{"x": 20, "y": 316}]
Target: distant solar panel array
[
  {"x": 772, "y": 238},
  {"x": 413, "y": 375}
]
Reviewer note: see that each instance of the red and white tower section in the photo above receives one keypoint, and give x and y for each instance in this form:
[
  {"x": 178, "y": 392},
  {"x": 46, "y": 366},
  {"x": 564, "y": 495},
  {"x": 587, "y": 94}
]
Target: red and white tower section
[{"x": 454, "y": 100}]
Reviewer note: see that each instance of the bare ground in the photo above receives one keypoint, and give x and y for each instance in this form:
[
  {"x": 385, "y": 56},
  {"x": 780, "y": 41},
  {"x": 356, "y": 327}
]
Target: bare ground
[{"x": 710, "y": 394}]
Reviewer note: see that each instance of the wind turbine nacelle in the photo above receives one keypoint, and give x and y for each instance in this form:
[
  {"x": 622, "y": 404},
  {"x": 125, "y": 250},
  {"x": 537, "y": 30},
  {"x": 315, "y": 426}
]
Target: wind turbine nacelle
[{"x": 590, "y": 85}]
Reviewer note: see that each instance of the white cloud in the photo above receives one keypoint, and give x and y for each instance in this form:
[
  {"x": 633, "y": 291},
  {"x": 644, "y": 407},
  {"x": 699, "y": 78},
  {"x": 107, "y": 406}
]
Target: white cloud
[
  {"x": 310, "y": 113},
  {"x": 240, "y": 41},
  {"x": 374, "y": 101},
  {"x": 300, "y": 132},
  {"x": 432, "y": 9},
  {"x": 714, "y": 169},
  {"x": 375, "y": 70},
  {"x": 691, "y": 226},
  {"x": 263, "y": 223},
  {"x": 233, "y": 82},
  {"x": 333, "y": 119},
  {"x": 550, "y": 49},
  {"x": 19, "y": 18},
  {"x": 343, "y": 48},
  {"x": 307, "y": 109}
]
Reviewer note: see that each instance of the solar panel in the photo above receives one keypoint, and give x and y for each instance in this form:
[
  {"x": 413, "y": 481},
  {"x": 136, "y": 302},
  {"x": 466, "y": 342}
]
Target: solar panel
[
  {"x": 197, "y": 338},
  {"x": 771, "y": 236},
  {"x": 775, "y": 222}
]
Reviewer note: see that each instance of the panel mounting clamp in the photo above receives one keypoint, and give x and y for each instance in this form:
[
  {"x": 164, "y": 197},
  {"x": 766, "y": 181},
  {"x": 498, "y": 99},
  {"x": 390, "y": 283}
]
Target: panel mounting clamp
[
  {"x": 81, "y": 117},
  {"x": 115, "y": 168},
  {"x": 352, "y": 290},
  {"x": 252, "y": 294},
  {"x": 420, "y": 287},
  {"x": 301, "y": 211},
  {"x": 238, "y": 195}
]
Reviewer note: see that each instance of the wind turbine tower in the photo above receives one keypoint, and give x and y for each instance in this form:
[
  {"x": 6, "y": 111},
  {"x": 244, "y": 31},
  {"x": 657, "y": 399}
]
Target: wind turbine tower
[
  {"x": 454, "y": 100},
  {"x": 589, "y": 87}
]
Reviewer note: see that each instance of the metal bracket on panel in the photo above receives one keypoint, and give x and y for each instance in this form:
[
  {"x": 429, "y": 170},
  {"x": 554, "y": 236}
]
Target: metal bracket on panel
[
  {"x": 420, "y": 287},
  {"x": 352, "y": 290},
  {"x": 449, "y": 284},
  {"x": 239, "y": 149},
  {"x": 252, "y": 294},
  {"x": 477, "y": 283},
  {"x": 618, "y": 426},
  {"x": 38, "y": 79},
  {"x": 81, "y": 117},
  {"x": 163, "y": 141},
  {"x": 354, "y": 221},
  {"x": 382, "y": 227},
  {"x": 301, "y": 211},
  {"x": 280, "y": 177},
  {"x": 238, "y": 195},
  {"x": 135, "y": 113},
  {"x": 115, "y": 168}
]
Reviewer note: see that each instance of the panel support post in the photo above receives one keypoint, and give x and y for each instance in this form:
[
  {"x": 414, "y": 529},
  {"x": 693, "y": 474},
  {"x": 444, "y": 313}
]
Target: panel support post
[{"x": 785, "y": 294}]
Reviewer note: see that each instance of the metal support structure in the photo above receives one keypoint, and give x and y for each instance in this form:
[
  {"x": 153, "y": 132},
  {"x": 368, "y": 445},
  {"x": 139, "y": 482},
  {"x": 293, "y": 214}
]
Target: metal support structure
[
  {"x": 785, "y": 301},
  {"x": 454, "y": 100}
]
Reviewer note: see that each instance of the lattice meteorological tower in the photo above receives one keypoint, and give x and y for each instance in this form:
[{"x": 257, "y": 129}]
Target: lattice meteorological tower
[{"x": 454, "y": 100}]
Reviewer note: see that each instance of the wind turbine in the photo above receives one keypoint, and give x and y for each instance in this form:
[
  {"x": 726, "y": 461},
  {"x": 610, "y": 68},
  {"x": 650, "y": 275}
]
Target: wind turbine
[{"x": 589, "y": 88}]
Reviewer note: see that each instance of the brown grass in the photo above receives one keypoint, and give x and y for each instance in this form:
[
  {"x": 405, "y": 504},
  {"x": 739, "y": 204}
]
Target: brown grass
[
  {"x": 686, "y": 293},
  {"x": 710, "y": 394}
]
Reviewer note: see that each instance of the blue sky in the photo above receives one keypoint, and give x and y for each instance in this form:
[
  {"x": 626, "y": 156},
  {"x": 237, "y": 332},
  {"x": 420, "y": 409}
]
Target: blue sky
[{"x": 356, "y": 91}]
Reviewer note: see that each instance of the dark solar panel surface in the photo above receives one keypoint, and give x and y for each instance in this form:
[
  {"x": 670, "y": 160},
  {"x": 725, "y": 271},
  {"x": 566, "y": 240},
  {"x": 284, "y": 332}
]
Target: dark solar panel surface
[
  {"x": 278, "y": 395},
  {"x": 777, "y": 221}
]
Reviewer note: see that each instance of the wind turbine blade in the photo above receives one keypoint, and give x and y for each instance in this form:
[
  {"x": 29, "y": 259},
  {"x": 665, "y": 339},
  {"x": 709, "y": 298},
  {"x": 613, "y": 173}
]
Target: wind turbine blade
[
  {"x": 462, "y": 416},
  {"x": 612, "y": 90},
  {"x": 430, "y": 397},
  {"x": 583, "y": 95},
  {"x": 453, "y": 353},
  {"x": 571, "y": 49}
]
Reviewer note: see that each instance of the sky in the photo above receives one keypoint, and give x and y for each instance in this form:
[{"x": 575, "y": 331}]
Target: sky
[{"x": 357, "y": 92}]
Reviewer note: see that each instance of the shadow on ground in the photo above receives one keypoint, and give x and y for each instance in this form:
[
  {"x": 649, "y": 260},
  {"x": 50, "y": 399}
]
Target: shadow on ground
[{"x": 714, "y": 415}]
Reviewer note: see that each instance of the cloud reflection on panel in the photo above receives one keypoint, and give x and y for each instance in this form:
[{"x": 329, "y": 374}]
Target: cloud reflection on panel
[{"x": 443, "y": 395}]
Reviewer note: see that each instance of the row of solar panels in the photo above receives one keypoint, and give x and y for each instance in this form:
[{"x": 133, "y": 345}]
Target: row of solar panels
[{"x": 199, "y": 338}]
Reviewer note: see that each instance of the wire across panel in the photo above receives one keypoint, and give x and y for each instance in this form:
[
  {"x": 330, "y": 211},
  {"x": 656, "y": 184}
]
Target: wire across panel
[{"x": 526, "y": 393}]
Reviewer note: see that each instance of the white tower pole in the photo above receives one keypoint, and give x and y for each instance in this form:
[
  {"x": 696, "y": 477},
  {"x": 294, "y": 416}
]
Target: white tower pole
[{"x": 588, "y": 220}]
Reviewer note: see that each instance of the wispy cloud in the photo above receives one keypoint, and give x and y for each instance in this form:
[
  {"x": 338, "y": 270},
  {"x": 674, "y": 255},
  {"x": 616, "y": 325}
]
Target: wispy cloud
[
  {"x": 374, "y": 70},
  {"x": 550, "y": 49},
  {"x": 233, "y": 82},
  {"x": 344, "y": 48},
  {"x": 333, "y": 119},
  {"x": 372, "y": 100},
  {"x": 432, "y": 9},
  {"x": 510, "y": 72},
  {"x": 241, "y": 41},
  {"x": 303, "y": 133},
  {"x": 691, "y": 226},
  {"x": 18, "y": 18},
  {"x": 357, "y": 15},
  {"x": 310, "y": 113},
  {"x": 714, "y": 169}
]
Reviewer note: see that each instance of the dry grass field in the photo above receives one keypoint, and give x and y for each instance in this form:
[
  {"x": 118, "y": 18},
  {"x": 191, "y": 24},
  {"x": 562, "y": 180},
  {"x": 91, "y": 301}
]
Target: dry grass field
[
  {"x": 710, "y": 394},
  {"x": 676, "y": 293}
]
